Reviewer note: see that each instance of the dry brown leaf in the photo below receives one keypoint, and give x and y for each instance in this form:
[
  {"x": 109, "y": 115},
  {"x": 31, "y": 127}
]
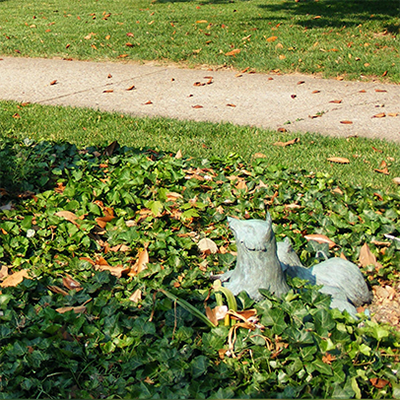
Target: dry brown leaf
[
  {"x": 362, "y": 91},
  {"x": 207, "y": 246},
  {"x": 241, "y": 185},
  {"x": 233, "y": 52},
  {"x": 141, "y": 263},
  {"x": 336, "y": 101},
  {"x": 102, "y": 265},
  {"x": 130, "y": 88},
  {"x": 259, "y": 155},
  {"x": 77, "y": 310},
  {"x": 379, "y": 383},
  {"x": 337, "y": 190},
  {"x": 393, "y": 114},
  {"x": 230, "y": 105},
  {"x": 102, "y": 221},
  {"x": 178, "y": 154},
  {"x": 15, "y": 279},
  {"x": 173, "y": 196},
  {"x": 16, "y": 115},
  {"x": 396, "y": 180},
  {"x": 282, "y": 130},
  {"x": 339, "y": 160},
  {"x": 3, "y": 272},
  {"x": 288, "y": 143},
  {"x": 380, "y": 115},
  {"x": 380, "y": 90},
  {"x": 328, "y": 358},
  {"x": 301, "y": 82},
  {"x": 130, "y": 34},
  {"x": 202, "y": 21},
  {"x": 315, "y": 91},
  {"x": 108, "y": 91},
  {"x": 122, "y": 56},
  {"x": 346, "y": 122},
  {"x": 272, "y": 39},
  {"x": 56, "y": 289},
  {"x": 367, "y": 257},
  {"x": 148, "y": 102},
  {"x": 53, "y": 82},
  {"x": 320, "y": 239},
  {"x": 71, "y": 283},
  {"x": 129, "y": 44},
  {"x": 68, "y": 215},
  {"x": 282, "y": 56},
  {"x": 136, "y": 296},
  {"x": 197, "y": 106}
]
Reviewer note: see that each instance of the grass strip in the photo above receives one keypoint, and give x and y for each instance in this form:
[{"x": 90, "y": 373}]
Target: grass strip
[
  {"x": 350, "y": 39},
  {"x": 86, "y": 127}
]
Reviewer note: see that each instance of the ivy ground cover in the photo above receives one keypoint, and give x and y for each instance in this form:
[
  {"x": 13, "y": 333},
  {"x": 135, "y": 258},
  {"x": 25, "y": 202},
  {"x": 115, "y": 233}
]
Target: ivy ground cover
[{"x": 104, "y": 282}]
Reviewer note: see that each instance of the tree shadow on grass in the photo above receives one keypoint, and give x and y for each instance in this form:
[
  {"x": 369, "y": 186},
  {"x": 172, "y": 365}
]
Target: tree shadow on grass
[{"x": 338, "y": 13}]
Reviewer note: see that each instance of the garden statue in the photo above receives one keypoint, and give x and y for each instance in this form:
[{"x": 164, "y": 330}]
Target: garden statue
[
  {"x": 339, "y": 278},
  {"x": 261, "y": 264},
  {"x": 257, "y": 265}
]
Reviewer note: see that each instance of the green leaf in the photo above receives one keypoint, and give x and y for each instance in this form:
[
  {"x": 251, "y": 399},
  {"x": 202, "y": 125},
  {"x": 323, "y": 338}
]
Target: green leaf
[{"x": 199, "y": 366}]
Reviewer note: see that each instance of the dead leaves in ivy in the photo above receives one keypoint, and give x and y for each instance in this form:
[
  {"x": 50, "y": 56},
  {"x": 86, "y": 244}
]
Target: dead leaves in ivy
[{"x": 15, "y": 279}]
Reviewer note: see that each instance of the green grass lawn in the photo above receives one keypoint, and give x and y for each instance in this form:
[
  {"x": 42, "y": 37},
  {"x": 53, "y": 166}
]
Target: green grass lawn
[
  {"x": 85, "y": 127},
  {"x": 332, "y": 37}
]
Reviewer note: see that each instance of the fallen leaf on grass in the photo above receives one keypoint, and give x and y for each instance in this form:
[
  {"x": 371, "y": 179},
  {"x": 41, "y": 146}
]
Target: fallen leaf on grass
[
  {"x": 122, "y": 56},
  {"x": 259, "y": 155},
  {"x": 339, "y": 160},
  {"x": 377, "y": 150},
  {"x": 320, "y": 239},
  {"x": 396, "y": 180},
  {"x": 233, "y": 52},
  {"x": 15, "y": 279},
  {"x": 382, "y": 168},
  {"x": 16, "y": 115},
  {"x": 272, "y": 39},
  {"x": 178, "y": 154},
  {"x": 130, "y": 34},
  {"x": 288, "y": 143}
]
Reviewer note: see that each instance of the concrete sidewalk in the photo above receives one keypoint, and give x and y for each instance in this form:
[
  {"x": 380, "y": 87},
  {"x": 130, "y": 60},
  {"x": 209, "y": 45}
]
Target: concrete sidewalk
[{"x": 329, "y": 107}]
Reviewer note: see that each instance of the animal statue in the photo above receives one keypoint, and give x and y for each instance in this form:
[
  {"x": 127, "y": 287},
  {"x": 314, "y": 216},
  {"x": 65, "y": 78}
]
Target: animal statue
[
  {"x": 257, "y": 264},
  {"x": 339, "y": 278},
  {"x": 261, "y": 263}
]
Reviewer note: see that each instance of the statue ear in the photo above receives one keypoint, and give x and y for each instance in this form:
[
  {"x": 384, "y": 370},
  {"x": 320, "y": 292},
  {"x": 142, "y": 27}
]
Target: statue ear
[{"x": 288, "y": 242}]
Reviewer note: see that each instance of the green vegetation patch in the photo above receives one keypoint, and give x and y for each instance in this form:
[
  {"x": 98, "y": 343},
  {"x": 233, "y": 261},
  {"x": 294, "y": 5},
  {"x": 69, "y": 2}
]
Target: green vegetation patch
[
  {"x": 332, "y": 37},
  {"x": 109, "y": 237},
  {"x": 310, "y": 152}
]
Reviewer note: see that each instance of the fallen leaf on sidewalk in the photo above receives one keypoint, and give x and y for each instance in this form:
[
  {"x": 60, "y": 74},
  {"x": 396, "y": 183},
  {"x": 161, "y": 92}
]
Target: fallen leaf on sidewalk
[
  {"x": 130, "y": 87},
  {"x": 300, "y": 82},
  {"x": 230, "y": 105},
  {"x": 393, "y": 114},
  {"x": 315, "y": 91},
  {"x": 336, "y": 101},
  {"x": 108, "y": 91},
  {"x": 197, "y": 106},
  {"x": 148, "y": 102},
  {"x": 53, "y": 82},
  {"x": 339, "y": 160},
  {"x": 346, "y": 122},
  {"x": 380, "y": 90},
  {"x": 380, "y": 115}
]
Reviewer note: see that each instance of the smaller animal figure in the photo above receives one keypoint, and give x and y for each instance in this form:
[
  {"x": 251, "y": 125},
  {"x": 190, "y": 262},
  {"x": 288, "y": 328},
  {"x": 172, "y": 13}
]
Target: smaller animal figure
[{"x": 339, "y": 278}]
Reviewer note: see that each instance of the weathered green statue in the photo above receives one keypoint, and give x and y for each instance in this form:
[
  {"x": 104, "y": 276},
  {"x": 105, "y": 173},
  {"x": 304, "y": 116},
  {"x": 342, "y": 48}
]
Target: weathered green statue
[{"x": 262, "y": 263}]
